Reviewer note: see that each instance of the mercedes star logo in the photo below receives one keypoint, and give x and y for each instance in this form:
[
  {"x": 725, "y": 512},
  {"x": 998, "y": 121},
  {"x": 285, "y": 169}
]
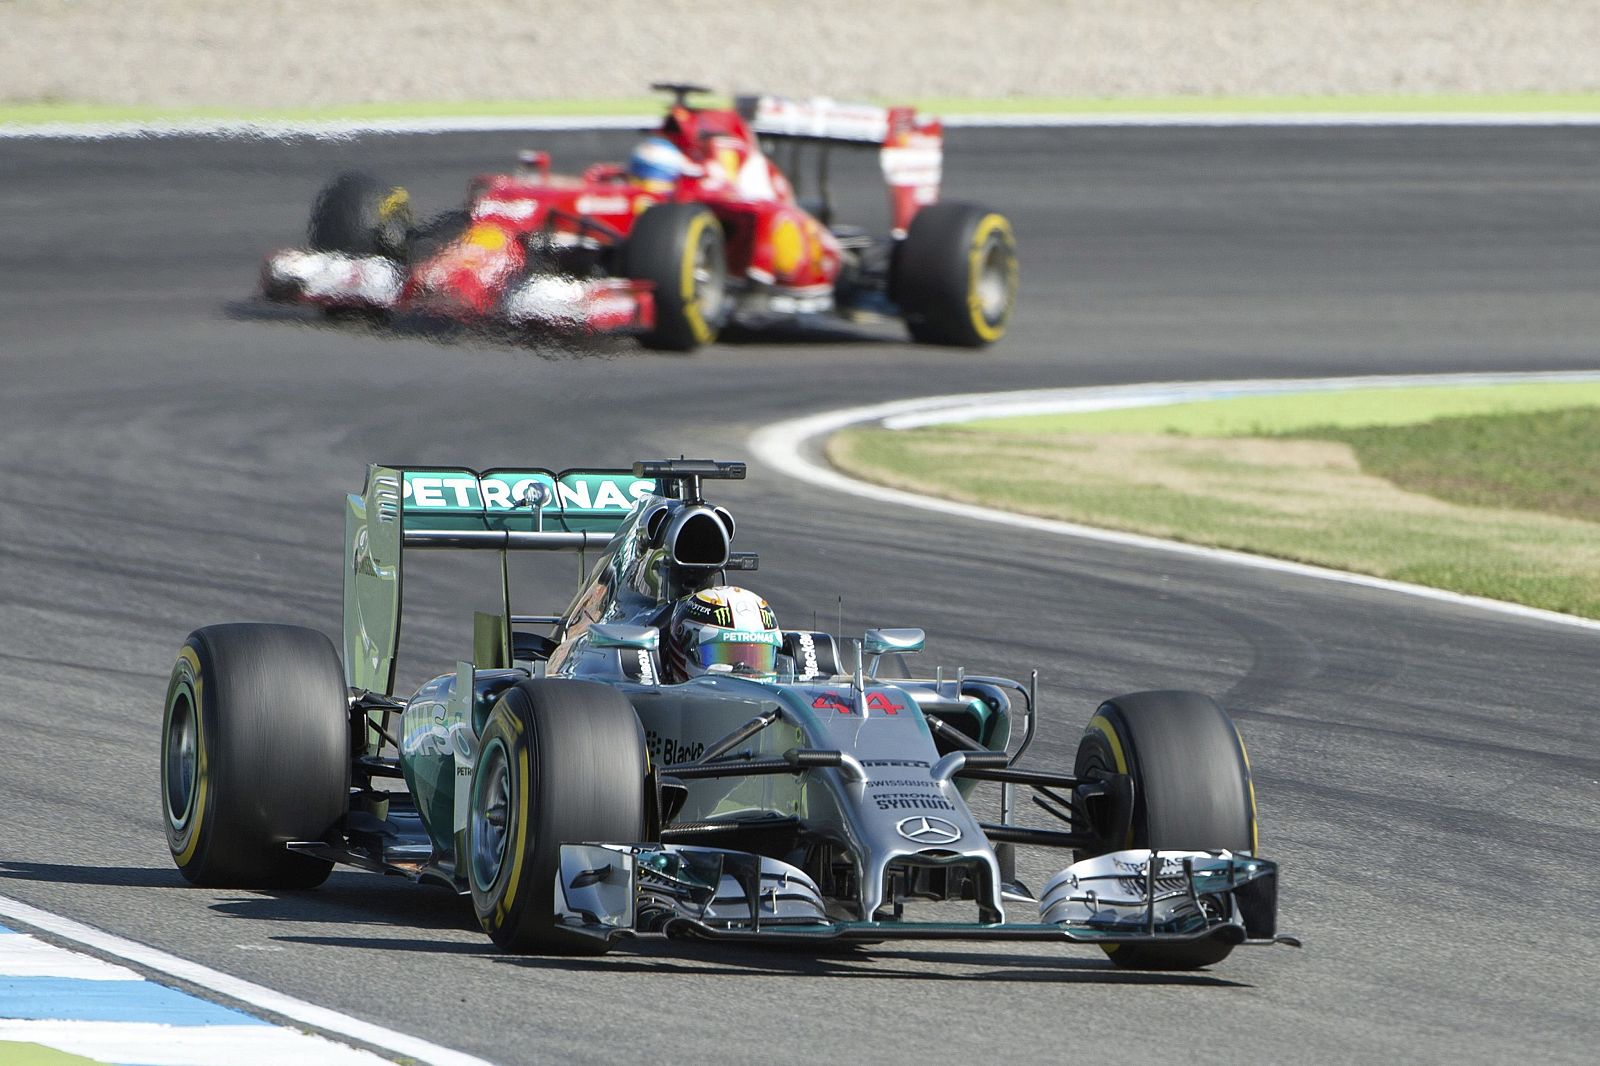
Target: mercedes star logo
[{"x": 925, "y": 830}]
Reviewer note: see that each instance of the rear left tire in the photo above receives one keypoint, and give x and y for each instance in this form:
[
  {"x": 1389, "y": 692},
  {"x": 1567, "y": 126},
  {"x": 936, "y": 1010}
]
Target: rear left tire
[{"x": 955, "y": 275}]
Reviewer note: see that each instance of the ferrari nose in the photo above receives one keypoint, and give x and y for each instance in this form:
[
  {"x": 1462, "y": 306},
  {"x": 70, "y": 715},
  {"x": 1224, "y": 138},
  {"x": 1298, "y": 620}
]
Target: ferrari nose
[{"x": 467, "y": 277}]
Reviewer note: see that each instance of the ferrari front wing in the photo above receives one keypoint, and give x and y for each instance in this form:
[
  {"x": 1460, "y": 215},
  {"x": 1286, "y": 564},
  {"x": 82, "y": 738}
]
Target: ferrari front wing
[{"x": 377, "y": 283}]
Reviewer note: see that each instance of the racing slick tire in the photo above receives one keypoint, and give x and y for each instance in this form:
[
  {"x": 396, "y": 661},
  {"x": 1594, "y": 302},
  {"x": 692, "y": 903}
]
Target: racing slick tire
[
  {"x": 681, "y": 250},
  {"x": 359, "y": 215},
  {"x": 955, "y": 275},
  {"x": 560, "y": 761},
  {"x": 255, "y": 752},
  {"x": 1191, "y": 791}
]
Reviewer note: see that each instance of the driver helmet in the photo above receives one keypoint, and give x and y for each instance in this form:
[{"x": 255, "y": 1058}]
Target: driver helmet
[
  {"x": 657, "y": 164},
  {"x": 724, "y": 629}
]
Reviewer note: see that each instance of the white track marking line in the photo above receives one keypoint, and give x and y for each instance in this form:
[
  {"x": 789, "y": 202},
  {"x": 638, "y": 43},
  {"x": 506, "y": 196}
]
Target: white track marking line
[
  {"x": 151, "y": 1044},
  {"x": 324, "y": 130},
  {"x": 784, "y": 445},
  {"x": 234, "y": 988},
  {"x": 22, "y": 955},
  {"x": 1285, "y": 118},
  {"x": 344, "y": 129}
]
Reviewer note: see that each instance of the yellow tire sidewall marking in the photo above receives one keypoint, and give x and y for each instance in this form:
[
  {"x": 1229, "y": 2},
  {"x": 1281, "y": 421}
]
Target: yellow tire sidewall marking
[
  {"x": 188, "y": 657},
  {"x": 397, "y": 201},
  {"x": 691, "y": 306},
  {"x": 508, "y": 898},
  {"x": 989, "y": 225},
  {"x": 1102, "y": 724},
  {"x": 1250, "y": 783}
]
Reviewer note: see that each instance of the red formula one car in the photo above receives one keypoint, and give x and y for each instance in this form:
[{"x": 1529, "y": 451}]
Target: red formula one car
[{"x": 700, "y": 227}]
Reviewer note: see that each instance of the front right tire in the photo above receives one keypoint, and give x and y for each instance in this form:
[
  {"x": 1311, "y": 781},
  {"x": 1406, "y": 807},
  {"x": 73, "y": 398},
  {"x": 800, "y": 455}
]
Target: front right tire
[{"x": 680, "y": 249}]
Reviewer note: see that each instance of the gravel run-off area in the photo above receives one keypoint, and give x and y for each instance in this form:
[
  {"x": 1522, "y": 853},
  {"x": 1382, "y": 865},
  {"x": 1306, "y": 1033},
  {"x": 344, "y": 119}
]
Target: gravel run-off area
[{"x": 311, "y": 53}]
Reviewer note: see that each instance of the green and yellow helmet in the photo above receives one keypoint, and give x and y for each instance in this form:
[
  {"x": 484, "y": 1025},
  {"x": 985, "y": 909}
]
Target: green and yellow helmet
[{"x": 725, "y": 629}]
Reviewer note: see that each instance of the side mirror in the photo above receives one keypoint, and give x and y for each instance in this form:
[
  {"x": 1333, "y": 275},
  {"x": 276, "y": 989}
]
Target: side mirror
[
  {"x": 882, "y": 641},
  {"x": 636, "y": 638}
]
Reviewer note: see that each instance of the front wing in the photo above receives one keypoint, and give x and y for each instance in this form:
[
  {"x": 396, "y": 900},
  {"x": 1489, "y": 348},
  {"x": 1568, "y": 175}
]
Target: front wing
[
  {"x": 1135, "y": 896},
  {"x": 376, "y": 283}
]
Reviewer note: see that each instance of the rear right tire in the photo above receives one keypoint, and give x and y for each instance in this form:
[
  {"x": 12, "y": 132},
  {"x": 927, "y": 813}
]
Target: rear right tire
[{"x": 255, "y": 752}]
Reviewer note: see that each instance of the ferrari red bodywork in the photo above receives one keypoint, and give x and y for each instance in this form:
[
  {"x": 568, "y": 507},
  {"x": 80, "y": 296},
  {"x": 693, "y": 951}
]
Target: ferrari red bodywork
[{"x": 542, "y": 249}]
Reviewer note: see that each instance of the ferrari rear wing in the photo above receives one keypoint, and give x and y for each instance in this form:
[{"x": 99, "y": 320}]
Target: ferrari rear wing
[
  {"x": 458, "y": 508},
  {"x": 911, "y": 149}
]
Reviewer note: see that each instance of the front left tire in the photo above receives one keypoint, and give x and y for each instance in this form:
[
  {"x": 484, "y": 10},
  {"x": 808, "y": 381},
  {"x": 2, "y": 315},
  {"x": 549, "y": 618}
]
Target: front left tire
[
  {"x": 1191, "y": 792},
  {"x": 560, "y": 762},
  {"x": 359, "y": 215}
]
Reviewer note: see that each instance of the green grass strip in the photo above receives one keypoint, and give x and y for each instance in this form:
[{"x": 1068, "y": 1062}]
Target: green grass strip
[
  {"x": 1488, "y": 492},
  {"x": 57, "y": 111},
  {"x": 13, "y": 1053},
  {"x": 1546, "y": 461}
]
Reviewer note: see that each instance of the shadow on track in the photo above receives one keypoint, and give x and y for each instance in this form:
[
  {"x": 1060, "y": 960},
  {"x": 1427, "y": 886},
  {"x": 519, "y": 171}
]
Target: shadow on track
[
  {"x": 354, "y": 899},
  {"x": 681, "y": 957},
  {"x": 443, "y": 332},
  {"x": 820, "y": 331},
  {"x": 71, "y": 874}
]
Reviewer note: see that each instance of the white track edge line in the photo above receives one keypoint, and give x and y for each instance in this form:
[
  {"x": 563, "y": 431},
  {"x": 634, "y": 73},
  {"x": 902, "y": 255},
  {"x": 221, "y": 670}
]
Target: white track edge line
[
  {"x": 782, "y": 446},
  {"x": 337, "y": 129},
  {"x": 324, "y": 1019}
]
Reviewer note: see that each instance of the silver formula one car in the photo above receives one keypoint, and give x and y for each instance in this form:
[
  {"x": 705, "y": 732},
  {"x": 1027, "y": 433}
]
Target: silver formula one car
[{"x": 663, "y": 759}]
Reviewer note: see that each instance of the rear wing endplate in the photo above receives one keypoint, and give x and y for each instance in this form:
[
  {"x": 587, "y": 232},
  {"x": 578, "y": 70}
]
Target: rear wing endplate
[
  {"x": 911, "y": 149},
  {"x": 455, "y": 507}
]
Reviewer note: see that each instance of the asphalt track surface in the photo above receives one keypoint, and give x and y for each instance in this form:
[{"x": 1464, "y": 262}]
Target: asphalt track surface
[{"x": 172, "y": 455}]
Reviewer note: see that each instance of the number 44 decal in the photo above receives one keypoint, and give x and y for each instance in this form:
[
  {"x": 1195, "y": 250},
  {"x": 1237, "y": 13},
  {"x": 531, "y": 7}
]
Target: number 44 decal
[{"x": 837, "y": 701}]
